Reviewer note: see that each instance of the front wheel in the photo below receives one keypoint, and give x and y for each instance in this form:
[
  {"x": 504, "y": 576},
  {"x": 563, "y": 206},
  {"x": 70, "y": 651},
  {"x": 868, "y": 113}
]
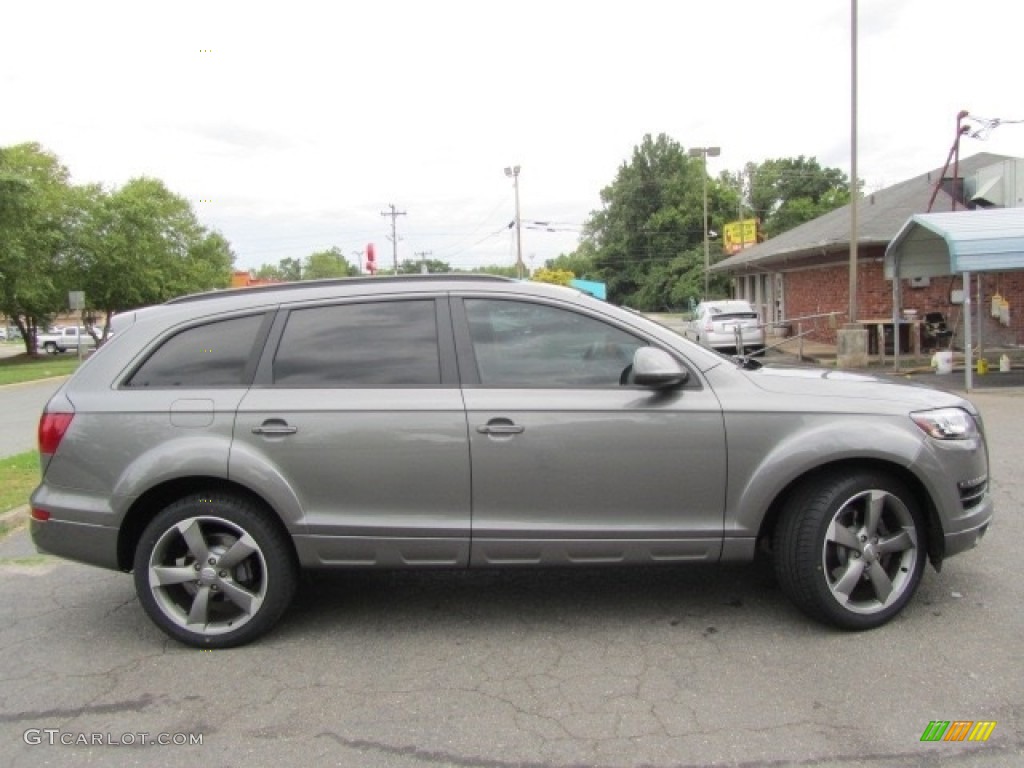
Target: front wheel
[
  {"x": 213, "y": 572},
  {"x": 850, "y": 549}
]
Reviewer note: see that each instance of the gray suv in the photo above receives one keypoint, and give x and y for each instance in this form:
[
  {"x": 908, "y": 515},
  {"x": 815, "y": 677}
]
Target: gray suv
[{"x": 219, "y": 443}]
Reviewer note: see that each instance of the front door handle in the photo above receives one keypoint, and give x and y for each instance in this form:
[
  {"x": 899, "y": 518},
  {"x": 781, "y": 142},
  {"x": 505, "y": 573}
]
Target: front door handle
[
  {"x": 274, "y": 427},
  {"x": 500, "y": 427}
]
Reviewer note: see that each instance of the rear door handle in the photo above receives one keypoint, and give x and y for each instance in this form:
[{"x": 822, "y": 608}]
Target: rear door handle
[{"x": 274, "y": 427}]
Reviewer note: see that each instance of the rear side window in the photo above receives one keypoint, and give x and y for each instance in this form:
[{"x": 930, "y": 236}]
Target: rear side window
[
  {"x": 357, "y": 346},
  {"x": 211, "y": 355}
]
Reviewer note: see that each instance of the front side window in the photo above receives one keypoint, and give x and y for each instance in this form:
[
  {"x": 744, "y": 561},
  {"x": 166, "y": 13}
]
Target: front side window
[
  {"x": 211, "y": 355},
  {"x": 520, "y": 344},
  {"x": 367, "y": 345}
]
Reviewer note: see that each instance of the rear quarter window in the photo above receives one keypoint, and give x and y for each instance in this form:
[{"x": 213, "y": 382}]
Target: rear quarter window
[{"x": 216, "y": 354}]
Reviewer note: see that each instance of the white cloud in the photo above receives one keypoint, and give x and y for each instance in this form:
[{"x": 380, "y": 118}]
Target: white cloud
[{"x": 305, "y": 119}]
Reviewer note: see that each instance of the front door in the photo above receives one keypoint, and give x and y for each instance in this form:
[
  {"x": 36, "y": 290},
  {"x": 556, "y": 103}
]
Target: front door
[{"x": 572, "y": 463}]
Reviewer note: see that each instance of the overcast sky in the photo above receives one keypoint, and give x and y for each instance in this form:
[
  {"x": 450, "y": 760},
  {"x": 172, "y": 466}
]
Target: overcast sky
[{"x": 292, "y": 125}]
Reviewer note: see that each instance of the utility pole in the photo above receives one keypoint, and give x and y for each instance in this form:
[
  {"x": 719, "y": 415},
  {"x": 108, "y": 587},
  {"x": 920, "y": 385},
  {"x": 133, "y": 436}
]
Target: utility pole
[
  {"x": 394, "y": 236},
  {"x": 423, "y": 264}
]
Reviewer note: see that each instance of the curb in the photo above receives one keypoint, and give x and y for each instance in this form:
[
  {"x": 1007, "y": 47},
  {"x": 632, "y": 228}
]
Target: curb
[
  {"x": 35, "y": 381},
  {"x": 15, "y": 516}
]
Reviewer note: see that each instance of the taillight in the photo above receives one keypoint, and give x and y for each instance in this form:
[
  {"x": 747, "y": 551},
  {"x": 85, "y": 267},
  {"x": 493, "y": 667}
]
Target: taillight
[
  {"x": 52, "y": 427},
  {"x": 40, "y": 515}
]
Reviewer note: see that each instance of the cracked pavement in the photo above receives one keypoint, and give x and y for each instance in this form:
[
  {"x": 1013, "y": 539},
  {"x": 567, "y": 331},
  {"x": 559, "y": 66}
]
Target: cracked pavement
[{"x": 531, "y": 669}]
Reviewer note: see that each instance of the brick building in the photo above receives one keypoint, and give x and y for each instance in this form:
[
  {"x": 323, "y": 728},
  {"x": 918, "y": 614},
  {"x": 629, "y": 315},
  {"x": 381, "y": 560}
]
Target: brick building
[{"x": 805, "y": 271}]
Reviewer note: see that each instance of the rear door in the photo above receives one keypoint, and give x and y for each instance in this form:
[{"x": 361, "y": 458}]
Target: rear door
[{"x": 356, "y": 410}]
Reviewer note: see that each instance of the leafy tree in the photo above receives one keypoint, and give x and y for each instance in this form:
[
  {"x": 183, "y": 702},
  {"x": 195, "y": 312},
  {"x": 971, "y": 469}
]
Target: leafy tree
[
  {"x": 554, "y": 276},
  {"x": 291, "y": 269},
  {"x": 142, "y": 244},
  {"x": 36, "y": 214},
  {"x": 646, "y": 242},
  {"x": 652, "y": 215},
  {"x": 415, "y": 266},
  {"x": 580, "y": 263},
  {"x": 269, "y": 272},
  {"x": 496, "y": 269},
  {"x": 787, "y": 192},
  {"x": 329, "y": 263}
]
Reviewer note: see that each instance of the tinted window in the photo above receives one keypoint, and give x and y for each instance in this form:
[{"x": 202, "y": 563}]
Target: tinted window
[
  {"x": 380, "y": 344},
  {"x": 211, "y": 355},
  {"x": 518, "y": 344}
]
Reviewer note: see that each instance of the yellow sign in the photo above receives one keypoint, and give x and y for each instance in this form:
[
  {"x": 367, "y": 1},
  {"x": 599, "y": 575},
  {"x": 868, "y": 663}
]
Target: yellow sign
[{"x": 739, "y": 235}]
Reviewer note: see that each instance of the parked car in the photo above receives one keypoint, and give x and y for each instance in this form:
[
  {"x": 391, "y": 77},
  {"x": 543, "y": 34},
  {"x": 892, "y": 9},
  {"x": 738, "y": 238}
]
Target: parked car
[
  {"x": 221, "y": 442},
  {"x": 727, "y": 325},
  {"x": 61, "y": 339}
]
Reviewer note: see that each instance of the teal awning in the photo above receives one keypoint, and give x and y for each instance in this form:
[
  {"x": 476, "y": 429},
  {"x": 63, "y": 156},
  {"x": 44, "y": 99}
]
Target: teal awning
[{"x": 952, "y": 242}]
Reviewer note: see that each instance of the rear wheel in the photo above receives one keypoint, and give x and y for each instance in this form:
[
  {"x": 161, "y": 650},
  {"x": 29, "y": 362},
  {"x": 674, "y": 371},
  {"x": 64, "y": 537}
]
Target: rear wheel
[
  {"x": 850, "y": 549},
  {"x": 50, "y": 347},
  {"x": 212, "y": 572}
]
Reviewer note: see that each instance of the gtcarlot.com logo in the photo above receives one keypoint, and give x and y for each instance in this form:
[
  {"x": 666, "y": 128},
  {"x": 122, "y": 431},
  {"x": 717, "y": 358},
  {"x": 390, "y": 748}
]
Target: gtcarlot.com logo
[{"x": 958, "y": 730}]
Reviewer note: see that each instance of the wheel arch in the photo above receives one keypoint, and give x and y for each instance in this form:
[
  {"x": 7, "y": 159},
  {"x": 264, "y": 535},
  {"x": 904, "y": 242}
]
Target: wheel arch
[
  {"x": 150, "y": 503},
  {"x": 933, "y": 525}
]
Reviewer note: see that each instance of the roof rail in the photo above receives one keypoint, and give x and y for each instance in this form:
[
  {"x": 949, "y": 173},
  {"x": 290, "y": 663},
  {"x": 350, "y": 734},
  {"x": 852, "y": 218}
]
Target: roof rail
[{"x": 327, "y": 282}]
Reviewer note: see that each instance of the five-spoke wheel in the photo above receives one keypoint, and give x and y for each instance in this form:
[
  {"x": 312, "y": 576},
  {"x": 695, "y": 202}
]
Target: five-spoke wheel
[
  {"x": 211, "y": 571},
  {"x": 849, "y": 549}
]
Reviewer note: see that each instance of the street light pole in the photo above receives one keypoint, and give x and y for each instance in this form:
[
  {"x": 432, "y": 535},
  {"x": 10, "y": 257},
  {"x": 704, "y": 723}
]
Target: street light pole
[
  {"x": 704, "y": 153},
  {"x": 513, "y": 173}
]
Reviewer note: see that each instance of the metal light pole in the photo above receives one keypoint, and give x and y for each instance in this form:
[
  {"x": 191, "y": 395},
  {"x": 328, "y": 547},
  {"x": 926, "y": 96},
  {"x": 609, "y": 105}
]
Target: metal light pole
[
  {"x": 704, "y": 153},
  {"x": 513, "y": 173}
]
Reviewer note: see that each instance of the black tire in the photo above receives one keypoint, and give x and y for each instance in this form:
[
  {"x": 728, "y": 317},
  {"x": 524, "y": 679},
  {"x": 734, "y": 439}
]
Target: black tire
[
  {"x": 850, "y": 548},
  {"x": 50, "y": 347},
  {"x": 188, "y": 588}
]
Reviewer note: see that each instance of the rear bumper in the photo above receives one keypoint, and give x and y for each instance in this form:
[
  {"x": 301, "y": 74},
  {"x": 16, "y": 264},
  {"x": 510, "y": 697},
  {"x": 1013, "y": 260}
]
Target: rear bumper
[
  {"x": 754, "y": 338},
  {"x": 92, "y": 544}
]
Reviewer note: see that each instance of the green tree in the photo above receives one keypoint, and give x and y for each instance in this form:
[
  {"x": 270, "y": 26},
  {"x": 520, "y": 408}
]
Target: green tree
[
  {"x": 36, "y": 216},
  {"x": 142, "y": 244},
  {"x": 329, "y": 263},
  {"x": 786, "y": 192},
  {"x": 553, "y": 276},
  {"x": 646, "y": 242},
  {"x": 415, "y": 266},
  {"x": 269, "y": 272},
  {"x": 496, "y": 269},
  {"x": 652, "y": 215},
  {"x": 580, "y": 263},
  {"x": 291, "y": 269}
]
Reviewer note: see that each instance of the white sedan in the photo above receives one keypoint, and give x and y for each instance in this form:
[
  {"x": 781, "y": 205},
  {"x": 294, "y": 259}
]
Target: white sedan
[{"x": 727, "y": 325}]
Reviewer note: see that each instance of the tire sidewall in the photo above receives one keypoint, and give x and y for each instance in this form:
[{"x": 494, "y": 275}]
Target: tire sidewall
[
  {"x": 281, "y": 570},
  {"x": 812, "y": 516}
]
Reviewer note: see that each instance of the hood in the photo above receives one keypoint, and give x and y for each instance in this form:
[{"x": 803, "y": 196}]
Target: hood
[{"x": 822, "y": 382}]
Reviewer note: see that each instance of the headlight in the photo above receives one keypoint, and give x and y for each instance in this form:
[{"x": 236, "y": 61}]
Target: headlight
[{"x": 946, "y": 423}]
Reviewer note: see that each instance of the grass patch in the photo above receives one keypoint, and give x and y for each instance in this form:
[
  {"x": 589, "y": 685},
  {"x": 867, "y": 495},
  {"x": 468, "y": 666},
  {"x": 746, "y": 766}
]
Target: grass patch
[
  {"x": 26, "y": 562},
  {"x": 19, "y": 368},
  {"x": 19, "y": 475}
]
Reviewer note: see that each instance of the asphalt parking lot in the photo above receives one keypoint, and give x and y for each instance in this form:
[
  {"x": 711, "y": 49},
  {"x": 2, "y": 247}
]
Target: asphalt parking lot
[{"x": 548, "y": 669}]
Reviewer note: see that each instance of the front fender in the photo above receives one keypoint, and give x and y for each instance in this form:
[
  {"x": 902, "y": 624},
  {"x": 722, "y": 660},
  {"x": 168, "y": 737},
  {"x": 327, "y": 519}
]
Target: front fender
[{"x": 761, "y": 468}]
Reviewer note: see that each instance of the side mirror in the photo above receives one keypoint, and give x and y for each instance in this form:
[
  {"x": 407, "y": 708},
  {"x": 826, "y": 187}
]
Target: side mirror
[{"x": 657, "y": 369}]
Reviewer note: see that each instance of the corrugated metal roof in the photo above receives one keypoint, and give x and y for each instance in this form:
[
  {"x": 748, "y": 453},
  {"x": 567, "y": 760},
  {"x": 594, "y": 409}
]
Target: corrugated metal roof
[
  {"x": 958, "y": 241},
  {"x": 880, "y": 216}
]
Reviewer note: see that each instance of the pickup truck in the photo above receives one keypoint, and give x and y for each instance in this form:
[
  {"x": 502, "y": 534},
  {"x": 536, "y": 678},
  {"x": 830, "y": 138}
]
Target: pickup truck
[{"x": 63, "y": 339}]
